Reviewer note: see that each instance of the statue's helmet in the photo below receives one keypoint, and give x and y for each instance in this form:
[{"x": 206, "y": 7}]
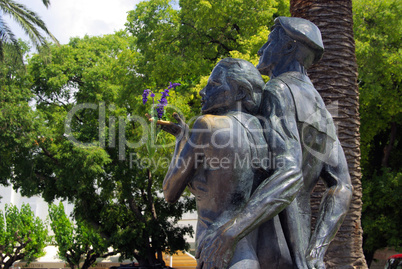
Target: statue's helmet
[{"x": 303, "y": 31}]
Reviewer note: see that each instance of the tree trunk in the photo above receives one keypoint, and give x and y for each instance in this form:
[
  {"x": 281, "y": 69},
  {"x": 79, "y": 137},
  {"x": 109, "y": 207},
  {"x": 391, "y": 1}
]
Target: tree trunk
[{"x": 335, "y": 77}]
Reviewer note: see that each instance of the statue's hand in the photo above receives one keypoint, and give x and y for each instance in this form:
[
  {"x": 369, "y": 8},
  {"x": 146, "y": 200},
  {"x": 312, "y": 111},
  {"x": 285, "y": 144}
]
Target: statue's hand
[
  {"x": 216, "y": 249},
  {"x": 315, "y": 264},
  {"x": 315, "y": 259},
  {"x": 177, "y": 129}
]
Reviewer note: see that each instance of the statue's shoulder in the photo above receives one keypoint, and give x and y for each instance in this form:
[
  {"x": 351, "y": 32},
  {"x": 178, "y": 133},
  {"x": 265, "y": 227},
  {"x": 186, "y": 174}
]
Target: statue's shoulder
[
  {"x": 213, "y": 122},
  {"x": 299, "y": 82},
  {"x": 277, "y": 95},
  {"x": 246, "y": 119},
  {"x": 310, "y": 108},
  {"x": 275, "y": 86},
  {"x": 210, "y": 122}
]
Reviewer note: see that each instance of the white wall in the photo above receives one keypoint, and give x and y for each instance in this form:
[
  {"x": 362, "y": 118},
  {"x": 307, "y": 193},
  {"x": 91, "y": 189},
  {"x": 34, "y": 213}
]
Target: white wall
[{"x": 38, "y": 205}]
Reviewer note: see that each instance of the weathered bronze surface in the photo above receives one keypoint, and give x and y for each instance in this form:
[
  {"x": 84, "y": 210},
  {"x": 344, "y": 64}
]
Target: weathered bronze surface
[
  {"x": 296, "y": 44},
  {"x": 255, "y": 155}
]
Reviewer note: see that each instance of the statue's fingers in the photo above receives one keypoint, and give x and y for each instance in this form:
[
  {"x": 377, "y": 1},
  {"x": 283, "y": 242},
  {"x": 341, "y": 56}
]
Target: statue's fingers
[
  {"x": 200, "y": 265},
  {"x": 226, "y": 261},
  {"x": 164, "y": 123},
  {"x": 149, "y": 117},
  {"x": 211, "y": 260},
  {"x": 178, "y": 118},
  {"x": 199, "y": 249},
  {"x": 206, "y": 265},
  {"x": 320, "y": 265},
  {"x": 210, "y": 265}
]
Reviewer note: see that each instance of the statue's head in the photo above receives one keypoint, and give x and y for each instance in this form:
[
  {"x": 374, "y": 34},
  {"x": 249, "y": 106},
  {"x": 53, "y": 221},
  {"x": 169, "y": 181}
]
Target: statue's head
[
  {"x": 291, "y": 39},
  {"x": 233, "y": 84}
]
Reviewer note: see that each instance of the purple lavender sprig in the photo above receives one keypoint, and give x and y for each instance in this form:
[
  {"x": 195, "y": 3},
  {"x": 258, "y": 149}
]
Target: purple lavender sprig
[
  {"x": 145, "y": 96},
  {"x": 162, "y": 103},
  {"x": 160, "y": 109},
  {"x": 173, "y": 85}
]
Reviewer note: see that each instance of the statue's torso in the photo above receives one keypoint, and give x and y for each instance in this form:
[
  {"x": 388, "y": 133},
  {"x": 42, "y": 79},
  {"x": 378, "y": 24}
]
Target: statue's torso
[
  {"x": 315, "y": 125},
  {"x": 225, "y": 178}
]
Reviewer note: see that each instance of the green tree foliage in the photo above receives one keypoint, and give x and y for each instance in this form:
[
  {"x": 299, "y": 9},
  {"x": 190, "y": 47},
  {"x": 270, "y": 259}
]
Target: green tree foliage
[
  {"x": 378, "y": 34},
  {"x": 22, "y": 236},
  {"x": 88, "y": 100},
  {"x": 76, "y": 241},
  {"x": 29, "y": 21},
  {"x": 213, "y": 29},
  {"x": 186, "y": 43},
  {"x": 17, "y": 119}
]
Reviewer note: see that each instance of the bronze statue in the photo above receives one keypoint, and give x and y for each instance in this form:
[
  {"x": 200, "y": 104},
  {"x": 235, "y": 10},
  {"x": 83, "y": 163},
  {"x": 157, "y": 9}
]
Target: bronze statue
[
  {"x": 220, "y": 159},
  {"x": 300, "y": 132}
]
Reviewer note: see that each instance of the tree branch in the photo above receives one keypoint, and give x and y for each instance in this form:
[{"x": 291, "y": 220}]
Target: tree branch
[
  {"x": 48, "y": 154},
  {"x": 134, "y": 207},
  {"x": 150, "y": 199},
  {"x": 109, "y": 254}
]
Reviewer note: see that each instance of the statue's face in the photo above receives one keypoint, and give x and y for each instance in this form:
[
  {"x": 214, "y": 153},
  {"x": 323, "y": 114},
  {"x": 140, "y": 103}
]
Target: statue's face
[
  {"x": 270, "y": 53},
  {"x": 217, "y": 96}
]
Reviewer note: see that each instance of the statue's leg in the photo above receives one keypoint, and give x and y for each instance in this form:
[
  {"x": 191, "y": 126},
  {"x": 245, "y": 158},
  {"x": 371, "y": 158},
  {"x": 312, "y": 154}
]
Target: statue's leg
[
  {"x": 245, "y": 255},
  {"x": 296, "y": 223},
  {"x": 334, "y": 206}
]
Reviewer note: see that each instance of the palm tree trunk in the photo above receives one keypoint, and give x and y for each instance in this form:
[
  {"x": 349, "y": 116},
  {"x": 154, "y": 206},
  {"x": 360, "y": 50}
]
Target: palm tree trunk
[{"x": 335, "y": 77}]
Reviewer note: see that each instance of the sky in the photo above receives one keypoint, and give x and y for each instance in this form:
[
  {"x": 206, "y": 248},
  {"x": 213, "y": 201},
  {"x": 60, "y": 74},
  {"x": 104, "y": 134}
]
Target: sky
[{"x": 72, "y": 18}]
